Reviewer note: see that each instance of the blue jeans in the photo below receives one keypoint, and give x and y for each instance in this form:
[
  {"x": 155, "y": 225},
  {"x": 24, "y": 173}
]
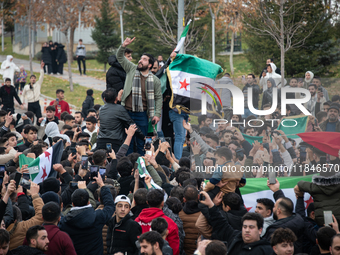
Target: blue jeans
[
  {"x": 247, "y": 113},
  {"x": 141, "y": 120},
  {"x": 177, "y": 121}
]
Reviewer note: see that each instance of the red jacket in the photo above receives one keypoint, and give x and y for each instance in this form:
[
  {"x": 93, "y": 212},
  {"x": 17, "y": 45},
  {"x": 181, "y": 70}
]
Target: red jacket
[
  {"x": 62, "y": 106},
  {"x": 60, "y": 242},
  {"x": 148, "y": 214}
]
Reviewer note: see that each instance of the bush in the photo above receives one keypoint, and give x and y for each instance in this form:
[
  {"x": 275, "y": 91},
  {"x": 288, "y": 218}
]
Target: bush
[{"x": 89, "y": 55}]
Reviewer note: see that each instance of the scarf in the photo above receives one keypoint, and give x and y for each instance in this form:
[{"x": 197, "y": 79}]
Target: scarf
[
  {"x": 311, "y": 77},
  {"x": 137, "y": 103}
]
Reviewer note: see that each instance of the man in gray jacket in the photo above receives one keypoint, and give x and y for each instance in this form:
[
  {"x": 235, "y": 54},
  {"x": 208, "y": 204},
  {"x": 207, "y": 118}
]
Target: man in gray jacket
[
  {"x": 114, "y": 119},
  {"x": 81, "y": 54}
]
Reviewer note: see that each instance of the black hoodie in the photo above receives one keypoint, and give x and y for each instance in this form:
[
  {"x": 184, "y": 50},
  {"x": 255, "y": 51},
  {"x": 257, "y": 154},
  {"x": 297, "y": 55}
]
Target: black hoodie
[{"x": 115, "y": 76}]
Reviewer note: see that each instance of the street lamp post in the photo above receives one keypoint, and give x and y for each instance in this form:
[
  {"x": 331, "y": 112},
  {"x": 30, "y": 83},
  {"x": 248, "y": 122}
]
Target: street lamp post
[
  {"x": 120, "y": 4},
  {"x": 2, "y": 28},
  {"x": 213, "y": 17}
]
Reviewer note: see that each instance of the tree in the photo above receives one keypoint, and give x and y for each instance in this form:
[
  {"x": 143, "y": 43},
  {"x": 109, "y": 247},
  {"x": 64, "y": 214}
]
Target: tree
[
  {"x": 317, "y": 54},
  {"x": 65, "y": 16},
  {"x": 284, "y": 21},
  {"x": 33, "y": 11},
  {"x": 104, "y": 33},
  {"x": 163, "y": 17}
]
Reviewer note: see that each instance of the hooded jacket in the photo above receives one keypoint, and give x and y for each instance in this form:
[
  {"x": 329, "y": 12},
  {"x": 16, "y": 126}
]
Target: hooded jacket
[
  {"x": 52, "y": 130},
  {"x": 8, "y": 68},
  {"x": 60, "y": 242},
  {"x": 189, "y": 216},
  {"x": 274, "y": 75},
  {"x": 87, "y": 105},
  {"x": 268, "y": 94},
  {"x": 115, "y": 76},
  {"x": 84, "y": 225},
  {"x": 122, "y": 236},
  {"x": 61, "y": 54},
  {"x": 147, "y": 215},
  {"x": 325, "y": 193}
]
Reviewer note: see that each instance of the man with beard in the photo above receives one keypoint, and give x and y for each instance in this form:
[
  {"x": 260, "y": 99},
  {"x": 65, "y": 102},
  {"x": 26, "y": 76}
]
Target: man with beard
[
  {"x": 79, "y": 119},
  {"x": 32, "y": 92},
  {"x": 151, "y": 243},
  {"x": 142, "y": 96},
  {"x": 155, "y": 67},
  {"x": 316, "y": 96},
  {"x": 285, "y": 218},
  {"x": 251, "y": 83},
  {"x": 37, "y": 242},
  {"x": 332, "y": 123}
]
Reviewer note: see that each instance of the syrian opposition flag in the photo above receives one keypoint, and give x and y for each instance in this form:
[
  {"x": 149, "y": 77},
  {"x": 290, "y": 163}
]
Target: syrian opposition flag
[
  {"x": 142, "y": 172},
  {"x": 294, "y": 125},
  {"x": 257, "y": 188},
  {"x": 189, "y": 77},
  {"x": 328, "y": 142},
  {"x": 42, "y": 167},
  {"x": 182, "y": 38}
]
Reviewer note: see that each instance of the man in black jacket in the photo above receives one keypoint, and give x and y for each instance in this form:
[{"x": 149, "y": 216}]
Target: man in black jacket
[
  {"x": 114, "y": 119},
  {"x": 115, "y": 76},
  {"x": 88, "y": 103},
  {"x": 30, "y": 135},
  {"x": 242, "y": 242},
  {"x": 7, "y": 95},
  {"x": 123, "y": 232},
  {"x": 83, "y": 224},
  {"x": 285, "y": 218}
]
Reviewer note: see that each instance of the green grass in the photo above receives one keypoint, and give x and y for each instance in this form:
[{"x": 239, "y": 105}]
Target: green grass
[
  {"x": 90, "y": 64},
  {"x": 8, "y": 50},
  {"x": 51, "y": 84},
  {"x": 100, "y": 75},
  {"x": 241, "y": 64}
]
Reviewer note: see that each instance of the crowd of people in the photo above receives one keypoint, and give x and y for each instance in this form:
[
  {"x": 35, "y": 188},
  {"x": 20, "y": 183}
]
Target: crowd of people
[{"x": 151, "y": 193}]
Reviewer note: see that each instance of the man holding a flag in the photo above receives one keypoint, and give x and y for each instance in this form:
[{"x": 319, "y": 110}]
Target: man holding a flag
[{"x": 142, "y": 96}]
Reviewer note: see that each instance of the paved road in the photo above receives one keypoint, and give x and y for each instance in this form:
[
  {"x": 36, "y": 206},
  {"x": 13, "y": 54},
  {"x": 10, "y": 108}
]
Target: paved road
[{"x": 85, "y": 81}]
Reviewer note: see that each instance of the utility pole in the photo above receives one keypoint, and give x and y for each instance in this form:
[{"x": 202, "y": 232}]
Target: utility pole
[{"x": 180, "y": 22}]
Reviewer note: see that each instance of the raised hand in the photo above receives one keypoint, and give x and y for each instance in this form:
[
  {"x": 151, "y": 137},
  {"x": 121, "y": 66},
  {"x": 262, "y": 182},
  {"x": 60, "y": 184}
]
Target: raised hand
[{"x": 128, "y": 41}]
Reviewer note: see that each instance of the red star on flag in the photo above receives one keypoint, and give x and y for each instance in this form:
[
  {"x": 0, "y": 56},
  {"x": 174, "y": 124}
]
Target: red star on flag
[
  {"x": 206, "y": 88},
  {"x": 309, "y": 201},
  {"x": 47, "y": 155},
  {"x": 184, "y": 84},
  {"x": 44, "y": 175},
  {"x": 248, "y": 208}
]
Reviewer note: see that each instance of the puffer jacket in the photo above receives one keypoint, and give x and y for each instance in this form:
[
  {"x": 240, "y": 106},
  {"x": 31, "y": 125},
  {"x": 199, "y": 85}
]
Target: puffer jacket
[
  {"x": 113, "y": 120},
  {"x": 325, "y": 193},
  {"x": 18, "y": 230},
  {"x": 115, "y": 76},
  {"x": 122, "y": 236},
  {"x": 189, "y": 216},
  {"x": 104, "y": 231}
]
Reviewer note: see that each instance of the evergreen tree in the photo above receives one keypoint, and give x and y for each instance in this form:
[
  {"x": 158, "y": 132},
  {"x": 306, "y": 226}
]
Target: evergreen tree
[
  {"x": 104, "y": 33},
  {"x": 318, "y": 53}
]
